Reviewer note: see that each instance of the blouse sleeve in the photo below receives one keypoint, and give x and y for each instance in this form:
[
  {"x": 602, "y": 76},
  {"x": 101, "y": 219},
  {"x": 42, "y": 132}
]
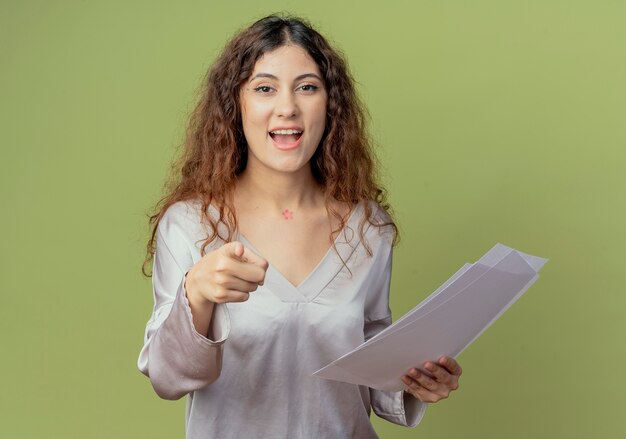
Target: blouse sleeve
[
  {"x": 175, "y": 357},
  {"x": 397, "y": 407}
]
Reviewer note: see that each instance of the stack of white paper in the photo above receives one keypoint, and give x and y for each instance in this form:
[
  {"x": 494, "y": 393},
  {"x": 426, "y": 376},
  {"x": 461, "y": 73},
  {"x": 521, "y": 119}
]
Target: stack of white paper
[{"x": 445, "y": 323}]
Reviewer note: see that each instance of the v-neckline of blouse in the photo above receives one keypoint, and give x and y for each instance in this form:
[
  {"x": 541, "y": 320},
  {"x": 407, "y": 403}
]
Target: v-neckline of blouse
[{"x": 320, "y": 276}]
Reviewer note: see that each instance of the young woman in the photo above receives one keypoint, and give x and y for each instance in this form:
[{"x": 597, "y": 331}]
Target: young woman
[{"x": 272, "y": 251}]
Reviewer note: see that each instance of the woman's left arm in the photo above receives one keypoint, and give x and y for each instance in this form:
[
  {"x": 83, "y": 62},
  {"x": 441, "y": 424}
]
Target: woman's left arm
[
  {"x": 445, "y": 374},
  {"x": 397, "y": 407}
]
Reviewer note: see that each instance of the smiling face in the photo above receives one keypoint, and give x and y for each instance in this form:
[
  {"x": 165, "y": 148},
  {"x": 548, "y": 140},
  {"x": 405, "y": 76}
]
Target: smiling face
[{"x": 283, "y": 110}]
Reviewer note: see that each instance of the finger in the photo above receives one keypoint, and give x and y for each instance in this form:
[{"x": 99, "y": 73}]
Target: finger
[
  {"x": 236, "y": 284},
  {"x": 247, "y": 272},
  {"x": 236, "y": 263},
  {"x": 440, "y": 373},
  {"x": 253, "y": 258},
  {"x": 424, "y": 380},
  {"x": 451, "y": 365},
  {"x": 236, "y": 296},
  {"x": 418, "y": 391}
]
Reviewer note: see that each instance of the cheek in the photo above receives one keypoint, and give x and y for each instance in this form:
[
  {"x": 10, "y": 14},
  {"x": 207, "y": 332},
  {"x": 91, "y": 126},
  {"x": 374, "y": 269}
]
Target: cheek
[
  {"x": 254, "y": 115},
  {"x": 320, "y": 115}
]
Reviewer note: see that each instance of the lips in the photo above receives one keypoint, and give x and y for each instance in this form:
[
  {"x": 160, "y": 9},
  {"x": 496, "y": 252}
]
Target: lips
[
  {"x": 285, "y": 139},
  {"x": 286, "y": 142}
]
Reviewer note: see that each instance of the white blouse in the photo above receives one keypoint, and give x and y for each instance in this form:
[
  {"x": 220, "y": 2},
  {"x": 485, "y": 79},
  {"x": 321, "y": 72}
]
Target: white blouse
[{"x": 252, "y": 377}]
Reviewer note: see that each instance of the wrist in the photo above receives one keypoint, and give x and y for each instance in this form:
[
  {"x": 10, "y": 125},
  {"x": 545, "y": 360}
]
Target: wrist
[{"x": 192, "y": 294}]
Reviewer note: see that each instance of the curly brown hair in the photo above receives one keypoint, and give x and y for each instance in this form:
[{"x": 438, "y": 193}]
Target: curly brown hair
[{"x": 215, "y": 148}]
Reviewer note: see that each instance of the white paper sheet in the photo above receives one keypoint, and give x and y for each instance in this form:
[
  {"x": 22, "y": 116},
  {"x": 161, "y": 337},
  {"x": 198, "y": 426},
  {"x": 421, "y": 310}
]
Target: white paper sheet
[{"x": 445, "y": 323}]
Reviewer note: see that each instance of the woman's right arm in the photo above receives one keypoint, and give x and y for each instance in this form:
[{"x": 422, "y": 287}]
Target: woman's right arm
[
  {"x": 184, "y": 338},
  {"x": 176, "y": 356}
]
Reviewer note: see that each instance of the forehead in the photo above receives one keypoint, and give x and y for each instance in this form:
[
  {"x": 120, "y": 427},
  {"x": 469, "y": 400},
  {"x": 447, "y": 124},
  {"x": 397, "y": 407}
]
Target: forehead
[{"x": 285, "y": 61}]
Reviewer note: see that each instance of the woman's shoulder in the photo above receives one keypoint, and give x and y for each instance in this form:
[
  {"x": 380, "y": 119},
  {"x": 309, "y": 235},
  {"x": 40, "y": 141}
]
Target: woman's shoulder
[
  {"x": 379, "y": 214},
  {"x": 186, "y": 216},
  {"x": 183, "y": 211},
  {"x": 376, "y": 221},
  {"x": 183, "y": 222}
]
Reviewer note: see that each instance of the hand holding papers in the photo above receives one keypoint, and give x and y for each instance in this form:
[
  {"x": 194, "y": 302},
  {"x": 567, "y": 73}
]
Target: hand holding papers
[{"x": 445, "y": 323}]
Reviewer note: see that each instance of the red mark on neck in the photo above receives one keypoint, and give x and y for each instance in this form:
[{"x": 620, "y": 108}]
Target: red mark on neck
[{"x": 287, "y": 214}]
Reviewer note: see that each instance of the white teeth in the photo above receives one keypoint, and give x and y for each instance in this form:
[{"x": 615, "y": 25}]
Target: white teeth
[{"x": 286, "y": 132}]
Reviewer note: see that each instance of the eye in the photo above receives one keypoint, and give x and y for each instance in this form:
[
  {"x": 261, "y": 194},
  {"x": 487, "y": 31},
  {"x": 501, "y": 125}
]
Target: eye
[
  {"x": 309, "y": 87},
  {"x": 263, "y": 89}
]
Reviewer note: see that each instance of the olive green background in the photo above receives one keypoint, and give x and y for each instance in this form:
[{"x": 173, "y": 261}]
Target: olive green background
[{"x": 497, "y": 121}]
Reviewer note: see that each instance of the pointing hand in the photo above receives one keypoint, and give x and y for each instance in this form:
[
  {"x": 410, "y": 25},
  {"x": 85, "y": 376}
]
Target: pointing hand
[{"x": 228, "y": 274}]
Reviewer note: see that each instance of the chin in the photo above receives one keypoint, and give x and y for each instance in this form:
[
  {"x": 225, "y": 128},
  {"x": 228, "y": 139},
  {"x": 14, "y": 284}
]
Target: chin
[{"x": 290, "y": 167}]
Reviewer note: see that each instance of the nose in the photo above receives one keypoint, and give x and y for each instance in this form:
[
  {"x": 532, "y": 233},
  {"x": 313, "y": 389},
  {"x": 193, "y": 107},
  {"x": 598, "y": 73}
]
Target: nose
[{"x": 286, "y": 105}]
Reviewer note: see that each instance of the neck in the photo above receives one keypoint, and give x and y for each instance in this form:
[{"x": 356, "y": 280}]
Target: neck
[{"x": 262, "y": 189}]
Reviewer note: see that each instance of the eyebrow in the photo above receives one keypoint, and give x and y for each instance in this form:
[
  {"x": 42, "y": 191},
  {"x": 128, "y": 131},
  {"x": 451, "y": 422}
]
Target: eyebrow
[{"x": 269, "y": 75}]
